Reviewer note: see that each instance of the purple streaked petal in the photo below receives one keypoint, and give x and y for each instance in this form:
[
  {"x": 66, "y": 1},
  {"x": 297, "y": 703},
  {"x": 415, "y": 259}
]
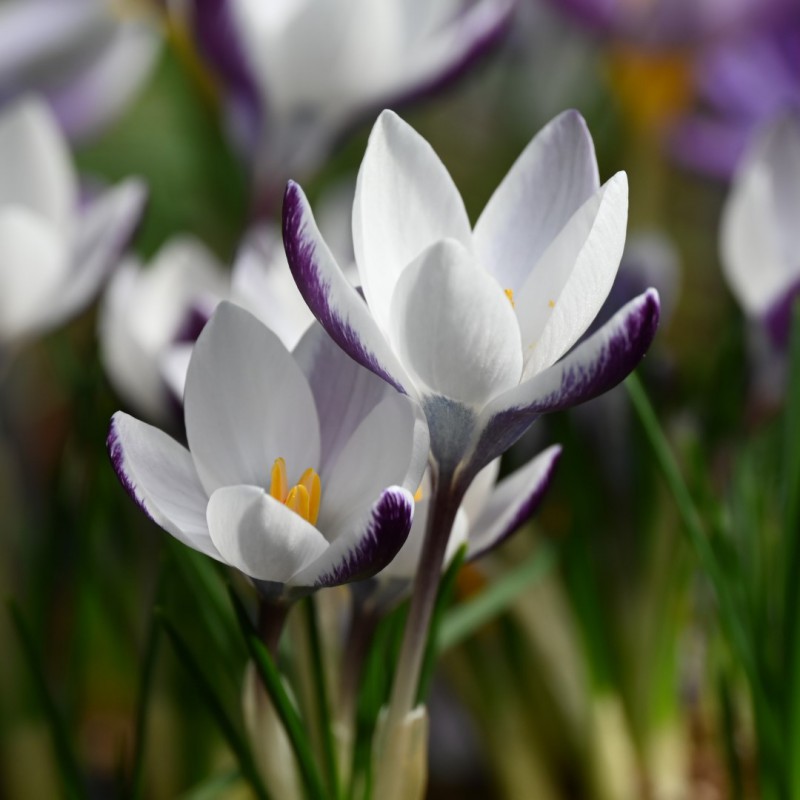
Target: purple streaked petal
[
  {"x": 512, "y": 503},
  {"x": 593, "y": 367},
  {"x": 219, "y": 40},
  {"x": 778, "y": 318},
  {"x": 334, "y": 302},
  {"x": 159, "y": 474},
  {"x": 359, "y": 556}
]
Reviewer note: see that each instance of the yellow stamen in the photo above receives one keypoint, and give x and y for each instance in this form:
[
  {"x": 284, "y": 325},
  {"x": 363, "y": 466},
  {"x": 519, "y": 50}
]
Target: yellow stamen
[
  {"x": 279, "y": 483},
  {"x": 299, "y": 501},
  {"x": 418, "y": 495},
  {"x": 551, "y": 303},
  {"x": 310, "y": 480},
  {"x": 510, "y": 295}
]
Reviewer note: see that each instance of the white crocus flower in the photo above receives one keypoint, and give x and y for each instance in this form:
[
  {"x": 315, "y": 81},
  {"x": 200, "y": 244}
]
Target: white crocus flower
[
  {"x": 298, "y": 72},
  {"x": 478, "y": 325},
  {"x": 55, "y": 250},
  {"x": 146, "y": 310},
  {"x": 760, "y": 234},
  {"x": 298, "y": 465},
  {"x": 88, "y": 58}
]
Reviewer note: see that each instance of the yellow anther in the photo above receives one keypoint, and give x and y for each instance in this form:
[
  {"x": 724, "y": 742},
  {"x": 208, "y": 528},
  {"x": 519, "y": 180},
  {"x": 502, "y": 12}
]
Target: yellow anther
[
  {"x": 279, "y": 483},
  {"x": 299, "y": 501},
  {"x": 311, "y": 482},
  {"x": 551, "y": 303},
  {"x": 510, "y": 295},
  {"x": 418, "y": 495}
]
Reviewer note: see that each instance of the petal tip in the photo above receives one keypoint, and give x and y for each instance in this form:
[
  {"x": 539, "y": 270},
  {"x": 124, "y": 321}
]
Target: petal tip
[{"x": 116, "y": 453}]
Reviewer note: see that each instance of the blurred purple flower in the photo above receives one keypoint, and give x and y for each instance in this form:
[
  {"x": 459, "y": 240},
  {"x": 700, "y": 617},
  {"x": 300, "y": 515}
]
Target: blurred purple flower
[
  {"x": 88, "y": 58},
  {"x": 741, "y": 83},
  {"x": 665, "y": 22}
]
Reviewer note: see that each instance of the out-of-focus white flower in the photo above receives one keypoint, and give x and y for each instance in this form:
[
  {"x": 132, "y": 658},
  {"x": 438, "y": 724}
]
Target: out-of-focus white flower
[
  {"x": 88, "y": 58},
  {"x": 147, "y": 309},
  {"x": 298, "y": 72},
  {"x": 475, "y": 325},
  {"x": 760, "y": 232},
  {"x": 298, "y": 466},
  {"x": 151, "y": 316},
  {"x": 55, "y": 250}
]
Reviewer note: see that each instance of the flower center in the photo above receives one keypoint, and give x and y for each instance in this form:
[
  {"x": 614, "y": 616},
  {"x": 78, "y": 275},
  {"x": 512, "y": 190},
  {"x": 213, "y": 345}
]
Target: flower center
[
  {"x": 303, "y": 498},
  {"x": 509, "y": 293}
]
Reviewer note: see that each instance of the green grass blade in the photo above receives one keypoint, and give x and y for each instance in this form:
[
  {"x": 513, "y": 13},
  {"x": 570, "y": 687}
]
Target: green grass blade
[
  {"x": 70, "y": 773},
  {"x": 461, "y": 622},
  {"x": 214, "y": 787},
  {"x": 283, "y": 704},
  {"x": 695, "y": 533},
  {"x": 227, "y": 728},
  {"x": 322, "y": 700}
]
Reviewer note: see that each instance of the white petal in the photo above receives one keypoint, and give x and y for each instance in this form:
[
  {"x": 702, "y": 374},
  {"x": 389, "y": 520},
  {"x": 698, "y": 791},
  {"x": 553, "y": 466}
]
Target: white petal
[
  {"x": 263, "y": 284},
  {"x": 33, "y": 265},
  {"x": 454, "y": 328},
  {"x": 377, "y": 455},
  {"x": 160, "y": 476},
  {"x": 35, "y": 166},
  {"x": 246, "y": 404},
  {"x": 174, "y": 366},
  {"x": 480, "y": 490},
  {"x": 573, "y": 278},
  {"x": 759, "y": 234},
  {"x": 512, "y": 503},
  {"x": 405, "y": 201},
  {"x": 261, "y": 536},
  {"x": 555, "y": 175}
]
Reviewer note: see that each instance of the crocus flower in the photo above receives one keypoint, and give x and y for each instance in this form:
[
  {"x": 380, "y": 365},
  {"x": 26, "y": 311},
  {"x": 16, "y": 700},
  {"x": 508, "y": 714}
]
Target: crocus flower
[
  {"x": 759, "y": 235},
  {"x": 741, "y": 83},
  {"x": 88, "y": 58},
  {"x": 145, "y": 310},
  {"x": 489, "y": 514},
  {"x": 298, "y": 74},
  {"x": 298, "y": 466},
  {"x": 478, "y": 325},
  {"x": 54, "y": 250}
]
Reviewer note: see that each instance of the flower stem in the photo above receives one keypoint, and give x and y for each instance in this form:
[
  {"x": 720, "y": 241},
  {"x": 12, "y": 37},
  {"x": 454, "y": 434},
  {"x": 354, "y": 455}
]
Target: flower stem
[
  {"x": 445, "y": 501},
  {"x": 271, "y": 621}
]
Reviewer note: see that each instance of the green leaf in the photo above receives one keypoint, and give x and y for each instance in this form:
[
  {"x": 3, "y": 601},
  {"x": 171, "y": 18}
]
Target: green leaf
[
  {"x": 70, "y": 773},
  {"x": 463, "y": 620},
  {"x": 321, "y": 693},
  {"x": 236, "y": 741},
  {"x": 292, "y": 722}
]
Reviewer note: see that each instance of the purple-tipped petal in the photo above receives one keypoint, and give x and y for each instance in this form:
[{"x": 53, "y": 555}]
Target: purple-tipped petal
[
  {"x": 512, "y": 503},
  {"x": 159, "y": 474},
  {"x": 354, "y": 558},
  {"x": 592, "y": 368},
  {"x": 334, "y": 302}
]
